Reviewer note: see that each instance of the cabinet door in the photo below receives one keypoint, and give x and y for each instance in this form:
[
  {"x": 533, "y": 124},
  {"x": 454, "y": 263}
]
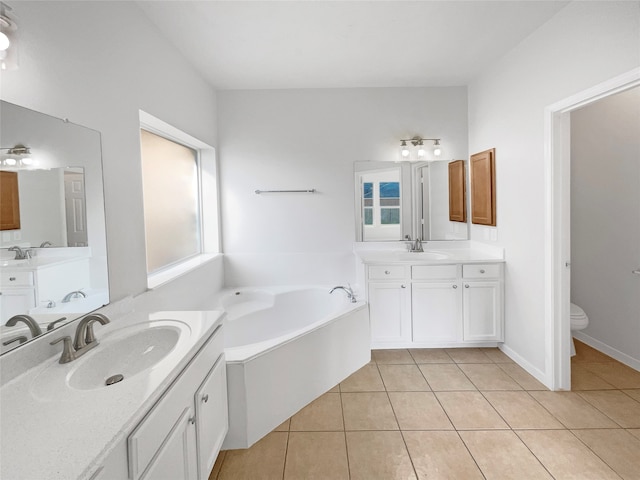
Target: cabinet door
[
  {"x": 435, "y": 308},
  {"x": 212, "y": 418},
  {"x": 389, "y": 312},
  {"x": 14, "y": 301},
  {"x": 177, "y": 456},
  {"x": 482, "y": 311}
]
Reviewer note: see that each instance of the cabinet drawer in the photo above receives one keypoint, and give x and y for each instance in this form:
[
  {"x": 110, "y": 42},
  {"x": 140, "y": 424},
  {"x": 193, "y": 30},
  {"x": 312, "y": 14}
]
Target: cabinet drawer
[
  {"x": 426, "y": 272},
  {"x": 490, "y": 270},
  {"x": 17, "y": 279},
  {"x": 388, "y": 272}
]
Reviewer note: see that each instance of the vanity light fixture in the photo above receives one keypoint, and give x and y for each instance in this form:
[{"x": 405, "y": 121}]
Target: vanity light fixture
[
  {"x": 8, "y": 39},
  {"x": 419, "y": 147},
  {"x": 18, "y": 156}
]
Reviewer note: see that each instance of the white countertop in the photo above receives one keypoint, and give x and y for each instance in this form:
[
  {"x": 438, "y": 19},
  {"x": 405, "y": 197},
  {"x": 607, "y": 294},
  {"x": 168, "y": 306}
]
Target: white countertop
[
  {"x": 431, "y": 256},
  {"x": 52, "y": 431},
  {"x": 37, "y": 262}
]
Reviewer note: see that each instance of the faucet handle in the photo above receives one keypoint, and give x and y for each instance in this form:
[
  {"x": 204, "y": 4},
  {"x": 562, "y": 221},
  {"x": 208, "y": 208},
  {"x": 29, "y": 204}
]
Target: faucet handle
[{"x": 68, "y": 353}]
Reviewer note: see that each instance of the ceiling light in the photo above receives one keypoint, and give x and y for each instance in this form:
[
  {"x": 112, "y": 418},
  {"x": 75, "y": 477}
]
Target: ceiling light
[
  {"x": 404, "y": 150},
  {"x": 437, "y": 148},
  {"x": 420, "y": 152}
]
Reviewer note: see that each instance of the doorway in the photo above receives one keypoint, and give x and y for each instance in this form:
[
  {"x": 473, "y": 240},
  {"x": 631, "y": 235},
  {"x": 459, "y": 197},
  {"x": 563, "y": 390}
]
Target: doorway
[{"x": 557, "y": 224}]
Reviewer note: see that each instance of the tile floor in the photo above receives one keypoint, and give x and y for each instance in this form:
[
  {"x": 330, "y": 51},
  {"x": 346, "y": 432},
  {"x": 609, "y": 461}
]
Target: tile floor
[{"x": 456, "y": 414}]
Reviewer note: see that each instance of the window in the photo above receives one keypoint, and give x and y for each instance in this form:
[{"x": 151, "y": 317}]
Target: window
[
  {"x": 381, "y": 209},
  {"x": 180, "y": 200}
]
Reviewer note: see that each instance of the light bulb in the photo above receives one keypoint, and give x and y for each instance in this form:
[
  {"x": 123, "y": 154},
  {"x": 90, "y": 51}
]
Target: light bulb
[
  {"x": 404, "y": 150},
  {"x": 10, "y": 161},
  {"x": 437, "y": 149},
  {"x": 4, "y": 42},
  {"x": 27, "y": 161},
  {"x": 421, "y": 151}
]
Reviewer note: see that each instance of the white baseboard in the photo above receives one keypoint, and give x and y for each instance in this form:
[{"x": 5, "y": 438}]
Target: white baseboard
[
  {"x": 604, "y": 348},
  {"x": 532, "y": 370}
]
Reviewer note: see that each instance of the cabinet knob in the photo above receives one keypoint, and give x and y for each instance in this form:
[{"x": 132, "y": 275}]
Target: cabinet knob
[
  {"x": 466, "y": 286},
  {"x": 12, "y": 279},
  {"x": 205, "y": 398},
  {"x": 387, "y": 272},
  {"x": 455, "y": 286},
  {"x": 192, "y": 420},
  {"x": 482, "y": 270},
  {"x": 403, "y": 286}
]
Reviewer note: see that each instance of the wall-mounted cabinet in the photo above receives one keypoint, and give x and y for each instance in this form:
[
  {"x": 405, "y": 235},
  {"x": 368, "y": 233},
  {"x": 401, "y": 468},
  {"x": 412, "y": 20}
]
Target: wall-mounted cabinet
[
  {"x": 457, "y": 192},
  {"x": 9, "y": 201},
  {"x": 483, "y": 188}
]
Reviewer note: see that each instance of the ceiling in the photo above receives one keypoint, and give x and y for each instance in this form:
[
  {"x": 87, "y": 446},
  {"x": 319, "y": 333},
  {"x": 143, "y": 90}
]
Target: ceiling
[{"x": 343, "y": 44}]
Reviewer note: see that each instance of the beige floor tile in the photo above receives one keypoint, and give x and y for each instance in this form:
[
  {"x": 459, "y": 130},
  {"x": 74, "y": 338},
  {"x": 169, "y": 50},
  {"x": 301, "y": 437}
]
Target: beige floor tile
[
  {"x": 572, "y": 410},
  {"x": 564, "y": 456},
  {"x": 635, "y": 432},
  {"x": 502, "y": 456},
  {"x": 635, "y": 393},
  {"x": 400, "y": 356},
  {"x": 368, "y": 411},
  {"x": 419, "y": 411},
  {"x": 367, "y": 379},
  {"x": 316, "y": 455},
  {"x": 440, "y": 456},
  {"x": 335, "y": 389},
  {"x": 403, "y": 378},
  {"x": 520, "y": 375},
  {"x": 470, "y": 410},
  {"x": 584, "y": 379},
  {"x": 618, "y": 448},
  {"x": 588, "y": 354},
  {"x": 378, "y": 456},
  {"x": 430, "y": 355},
  {"x": 264, "y": 460},
  {"x": 283, "y": 427},
  {"x": 468, "y": 355},
  {"x": 617, "y": 374},
  {"x": 521, "y": 410},
  {"x": 496, "y": 355},
  {"x": 446, "y": 377},
  {"x": 616, "y": 405},
  {"x": 323, "y": 414},
  {"x": 489, "y": 377}
]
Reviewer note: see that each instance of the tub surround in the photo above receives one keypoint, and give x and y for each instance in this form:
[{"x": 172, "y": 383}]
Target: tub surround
[{"x": 74, "y": 431}]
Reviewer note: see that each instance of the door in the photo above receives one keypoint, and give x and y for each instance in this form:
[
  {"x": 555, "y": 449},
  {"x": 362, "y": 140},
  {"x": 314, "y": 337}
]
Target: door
[
  {"x": 76, "y": 215},
  {"x": 389, "y": 312},
  {"x": 436, "y": 312}
]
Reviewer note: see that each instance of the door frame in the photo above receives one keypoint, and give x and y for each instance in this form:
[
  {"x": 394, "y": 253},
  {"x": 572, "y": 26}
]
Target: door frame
[{"x": 557, "y": 173}]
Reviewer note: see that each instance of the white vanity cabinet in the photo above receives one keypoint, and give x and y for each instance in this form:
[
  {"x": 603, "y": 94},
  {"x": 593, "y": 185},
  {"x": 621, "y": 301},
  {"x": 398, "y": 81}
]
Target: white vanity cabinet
[
  {"x": 182, "y": 434},
  {"x": 17, "y": 292},
  {"x": 435, "y": 305}
]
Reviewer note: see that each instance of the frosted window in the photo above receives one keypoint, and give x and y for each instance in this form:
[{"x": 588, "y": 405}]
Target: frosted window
[{"x": 171, "y": 201}]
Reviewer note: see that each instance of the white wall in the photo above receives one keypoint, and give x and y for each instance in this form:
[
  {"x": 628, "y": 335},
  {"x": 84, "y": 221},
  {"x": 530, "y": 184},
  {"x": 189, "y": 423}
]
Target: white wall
[
  {"x": 584, "y": 44},
  {"x": 605, "y": 219},
  {"x": 98, "y": 63},
  {"x": 302, "y": 139}
]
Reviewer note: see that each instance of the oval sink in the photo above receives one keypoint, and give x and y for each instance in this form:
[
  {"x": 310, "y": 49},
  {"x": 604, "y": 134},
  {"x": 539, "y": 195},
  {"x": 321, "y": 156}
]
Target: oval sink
[
  {"x": 422, "y": 256},
  {"x": 124, "y": 354}
]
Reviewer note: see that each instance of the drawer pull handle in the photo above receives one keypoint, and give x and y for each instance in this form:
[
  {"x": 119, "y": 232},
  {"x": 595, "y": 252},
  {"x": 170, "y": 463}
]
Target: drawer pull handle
[
  {"x": 482, "y": 270},
  {"x": 12, "y": 279},
  {"x": 192, "y": 420},
  {"x": 466, "y": 286},
  {"x": 455, "y": 286},
  {"x": 387, "y": 272},
  {"x": 205, "y": 399}
]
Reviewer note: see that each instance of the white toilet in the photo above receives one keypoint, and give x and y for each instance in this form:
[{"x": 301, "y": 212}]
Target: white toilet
[{"x": 579, "y": 320}]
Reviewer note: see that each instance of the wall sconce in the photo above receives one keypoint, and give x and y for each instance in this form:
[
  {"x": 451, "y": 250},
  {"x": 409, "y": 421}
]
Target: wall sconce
[
  {"x": 17, "y": 157},
  {"x": 8, "y": 39},
  {"x": 419, "y": 148}
]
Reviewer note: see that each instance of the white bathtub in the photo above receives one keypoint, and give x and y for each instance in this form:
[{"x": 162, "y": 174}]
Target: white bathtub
[{"x": 284, "y": 347}]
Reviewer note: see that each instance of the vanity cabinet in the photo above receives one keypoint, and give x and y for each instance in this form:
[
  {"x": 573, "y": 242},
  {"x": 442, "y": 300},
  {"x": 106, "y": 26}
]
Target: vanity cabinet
[
  {"x": 435, "y": 305},
  {"x": 18, "y": 292},
  {"x": 182, "y": 434}
]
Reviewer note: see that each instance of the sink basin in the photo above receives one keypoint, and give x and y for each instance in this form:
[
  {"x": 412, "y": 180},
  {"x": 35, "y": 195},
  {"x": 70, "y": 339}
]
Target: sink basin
[
  {"x": 126, "y": 352},
  {"x": 422, "y": 256}
]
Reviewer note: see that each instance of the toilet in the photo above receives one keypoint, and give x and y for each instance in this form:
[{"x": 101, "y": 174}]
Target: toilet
[{"x": 579, "y": 320}]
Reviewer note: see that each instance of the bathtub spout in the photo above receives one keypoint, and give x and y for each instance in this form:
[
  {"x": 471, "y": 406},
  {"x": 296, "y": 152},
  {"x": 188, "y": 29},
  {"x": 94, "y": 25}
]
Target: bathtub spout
[{"x": 350, "y": 295}]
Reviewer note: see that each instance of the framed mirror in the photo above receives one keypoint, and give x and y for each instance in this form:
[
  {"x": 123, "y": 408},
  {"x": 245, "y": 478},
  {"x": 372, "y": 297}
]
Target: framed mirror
[
  {"x": 396, "y": 199},
  {"x": 53, "y": 256}
]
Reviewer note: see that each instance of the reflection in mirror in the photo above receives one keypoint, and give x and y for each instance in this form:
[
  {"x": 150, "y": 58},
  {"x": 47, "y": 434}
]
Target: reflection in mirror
[
  {"x": 53, "y": 259},
  {"x": 422, "y": 207}
]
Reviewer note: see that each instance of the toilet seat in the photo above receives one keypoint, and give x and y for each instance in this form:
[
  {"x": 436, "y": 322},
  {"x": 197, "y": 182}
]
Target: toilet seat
[{"x": 579, "y": 319}]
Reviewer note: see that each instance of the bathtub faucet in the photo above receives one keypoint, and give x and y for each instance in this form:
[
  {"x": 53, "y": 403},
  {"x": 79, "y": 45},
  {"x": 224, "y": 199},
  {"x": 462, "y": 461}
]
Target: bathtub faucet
[{"x": 350, "y": 295}]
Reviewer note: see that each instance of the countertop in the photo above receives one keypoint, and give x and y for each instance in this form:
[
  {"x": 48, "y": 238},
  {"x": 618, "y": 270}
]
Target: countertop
[
  {"x": 52, "y": 431},
  {"x": 431, "y": 256}
]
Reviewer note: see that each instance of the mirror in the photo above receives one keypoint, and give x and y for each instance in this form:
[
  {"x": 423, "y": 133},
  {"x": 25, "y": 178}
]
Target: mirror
[
  {"x": 58, "y": 272},
  {"x": 394, "y": 200}
]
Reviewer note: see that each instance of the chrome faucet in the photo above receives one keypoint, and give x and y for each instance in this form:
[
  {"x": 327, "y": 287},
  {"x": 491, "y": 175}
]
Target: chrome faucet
[
  {"x": 45, "y": 244},
  {"x": 21, "y": 339},
  {"x": 30, "y": 322},
  {"x": 84, "y": 340},
  {"x": 350, "y": 295},
  {"x": 75, "y": 294},
  {"x": 20, "y": 253},
  {"x": 414, "y": 245}
]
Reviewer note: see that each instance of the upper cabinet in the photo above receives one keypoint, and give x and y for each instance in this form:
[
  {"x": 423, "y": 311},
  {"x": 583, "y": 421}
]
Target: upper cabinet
[
  {"x": 483, "y": 188},
  {"x": 457, "y": 192},
  {"x": 9, "y": 203}
]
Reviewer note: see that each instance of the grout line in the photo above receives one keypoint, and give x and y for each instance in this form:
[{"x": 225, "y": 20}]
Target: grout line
[
  {"x": 346, "y": 445},
  {"x": 286, "y": 453}
]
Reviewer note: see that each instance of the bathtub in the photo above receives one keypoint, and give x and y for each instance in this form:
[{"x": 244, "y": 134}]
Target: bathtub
[{"x": 285, "y": 347}]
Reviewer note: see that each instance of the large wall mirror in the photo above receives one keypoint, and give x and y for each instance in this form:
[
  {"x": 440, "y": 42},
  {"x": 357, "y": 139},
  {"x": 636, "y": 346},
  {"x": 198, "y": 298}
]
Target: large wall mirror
[
  {"x": 53, "y": 251},
  {"x": 398, "y": 199}
]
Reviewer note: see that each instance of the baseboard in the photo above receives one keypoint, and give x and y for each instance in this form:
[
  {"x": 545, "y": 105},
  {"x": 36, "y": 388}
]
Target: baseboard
[
  {"x": 532, "y": 370},
  {"x": 604, "y": 348}
]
